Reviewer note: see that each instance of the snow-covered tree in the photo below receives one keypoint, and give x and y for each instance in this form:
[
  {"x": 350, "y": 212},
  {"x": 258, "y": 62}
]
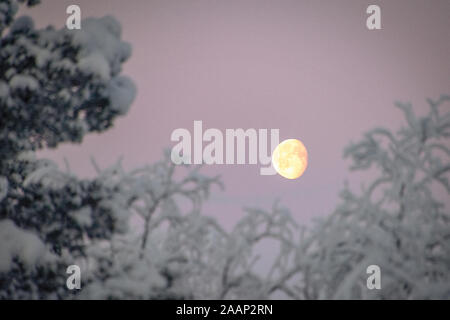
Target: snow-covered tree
[
  {"x": 397, "y": 222},
  {"x": 58, "y": 85},
  {"x": 55, "y": 86},
  {"x": 179, "y": 252}
]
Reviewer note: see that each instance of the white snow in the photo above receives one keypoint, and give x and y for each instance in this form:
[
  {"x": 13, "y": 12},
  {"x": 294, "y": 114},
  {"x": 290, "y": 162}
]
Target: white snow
[
  {"x": 122, "y": 92},
  {"x": 4, "y": 90},
  {"x": 48, "y": 175},
  {"x": 24, "y": 82},
  {"x": 95, "y": 64},
  {"x": 3, "y": 187},
  {"x": 24, "y": 245},
  {"x": 102, "y": 36},
  {"x": 82, "y": 216},
  {"x": 65, "y": 64}
]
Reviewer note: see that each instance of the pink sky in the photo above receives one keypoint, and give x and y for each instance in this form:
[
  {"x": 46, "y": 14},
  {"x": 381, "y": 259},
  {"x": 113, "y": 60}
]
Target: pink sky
[{"x": 308, "y": 68}]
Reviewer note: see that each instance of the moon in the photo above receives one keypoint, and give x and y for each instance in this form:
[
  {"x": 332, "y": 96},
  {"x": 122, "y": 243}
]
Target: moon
[{"x": 290, "y": 158}]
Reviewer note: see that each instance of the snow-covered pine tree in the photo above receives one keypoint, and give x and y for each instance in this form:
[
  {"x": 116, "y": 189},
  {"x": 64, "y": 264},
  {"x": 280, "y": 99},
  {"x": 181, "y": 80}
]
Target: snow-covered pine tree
[
  {"x": 58, "y": 85},
  {"x": 55, "y": 86}
]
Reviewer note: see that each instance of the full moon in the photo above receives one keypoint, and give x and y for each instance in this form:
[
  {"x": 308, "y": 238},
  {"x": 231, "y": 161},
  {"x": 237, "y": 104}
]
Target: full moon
[{"x": 290, "y": 158}]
